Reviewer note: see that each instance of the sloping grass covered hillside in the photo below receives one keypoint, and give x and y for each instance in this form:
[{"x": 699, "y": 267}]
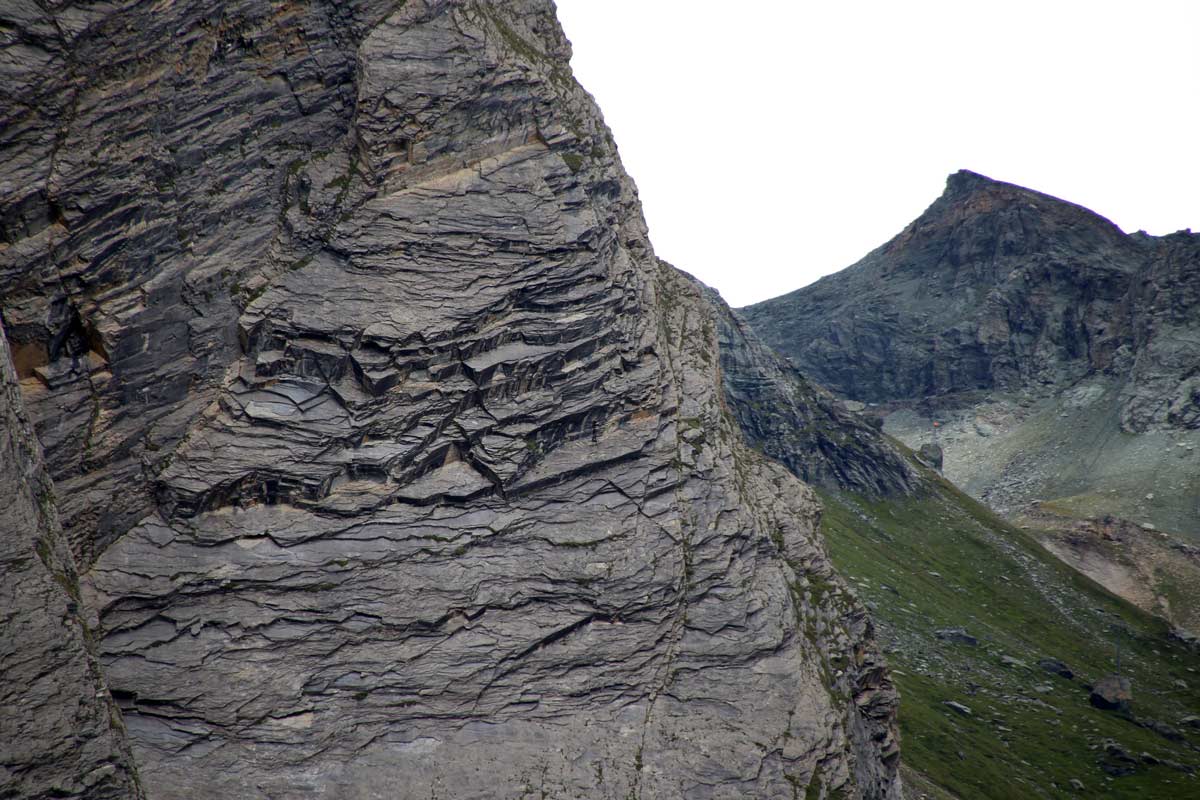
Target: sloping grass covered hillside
[{"x": 967, "y": 606}]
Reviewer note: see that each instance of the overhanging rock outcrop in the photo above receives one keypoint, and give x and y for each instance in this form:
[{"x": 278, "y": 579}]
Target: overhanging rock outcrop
[{"x": 397, "y": 462}]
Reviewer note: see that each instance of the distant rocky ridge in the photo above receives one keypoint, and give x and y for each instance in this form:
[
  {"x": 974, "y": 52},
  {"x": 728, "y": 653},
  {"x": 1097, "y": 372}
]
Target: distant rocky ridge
[
  {"x": 965, "y": 603},
  {"x": 997, "y": 287},
  {"x": 394, "y": 463},
  {"x": 1059, "y": 357}
]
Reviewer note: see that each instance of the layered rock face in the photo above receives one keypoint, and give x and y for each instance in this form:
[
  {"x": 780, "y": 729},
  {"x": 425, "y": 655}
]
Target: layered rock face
[
  {"x": 1000, "y": 287},
  {"x": 398, "y": 464},
  {"x": 784, "y": 415},
  {"x": 60, "y": 732}
]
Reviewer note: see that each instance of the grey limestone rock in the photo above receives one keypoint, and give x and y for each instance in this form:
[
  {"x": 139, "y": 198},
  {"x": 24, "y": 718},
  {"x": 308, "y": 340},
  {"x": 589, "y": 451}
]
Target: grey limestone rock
[
  {"x": 956, "y": 636},
  {"x": 1013, "y": 663},
  {"x": 957, "y": 707},
  {"x": 1056, "y": 667},
  {"x": 1117, "y": 761},
  {"x": 60, "y": 732},
  {"x": 931, "y": 455},
  {"x": 398, "y": 465}
]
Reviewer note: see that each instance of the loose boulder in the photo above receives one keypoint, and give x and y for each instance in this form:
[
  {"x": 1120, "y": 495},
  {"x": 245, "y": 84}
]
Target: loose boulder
[
  {"x": 931, "y": 455},
  {"x": 1117, "y": 761},
  {"x": 1056, "y": 667},
  {"x": 1112, "y": 693},
  {"x": 1162, "y": 729},
  {"x": 958, "y": 707}
]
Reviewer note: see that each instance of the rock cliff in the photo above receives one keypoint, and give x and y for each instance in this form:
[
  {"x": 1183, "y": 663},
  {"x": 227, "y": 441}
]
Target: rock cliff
[
  {"x": 786, "y": 416},
  {"x": 60, "y": 732},
  {"x": 396, "y": 464}
]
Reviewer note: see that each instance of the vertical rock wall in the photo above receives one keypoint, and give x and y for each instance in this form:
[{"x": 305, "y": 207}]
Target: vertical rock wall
[
  {"x": 401, "y": 466},
  {"x": 60, "y": 733}
]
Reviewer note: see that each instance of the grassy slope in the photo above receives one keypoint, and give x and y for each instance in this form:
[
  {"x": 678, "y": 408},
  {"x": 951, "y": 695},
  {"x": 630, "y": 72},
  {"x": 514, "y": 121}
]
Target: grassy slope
[{"x": 1018, "y": 600}]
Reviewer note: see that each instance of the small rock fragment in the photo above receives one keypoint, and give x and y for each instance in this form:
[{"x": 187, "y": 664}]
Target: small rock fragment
[
  {"x": 931, "y": 455},
  {"x": 956, "y": 635},
  {"x": 1056, "y": 667},
  {"x": 1112, "y": 693}
]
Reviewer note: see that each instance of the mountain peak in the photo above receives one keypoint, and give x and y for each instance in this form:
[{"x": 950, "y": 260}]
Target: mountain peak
[
  {"x": 978, "y": 193},
  {"x": 966, "y": 186},
  {"x": 965, "y": 181},
  {"x": 983, "y": 290}
]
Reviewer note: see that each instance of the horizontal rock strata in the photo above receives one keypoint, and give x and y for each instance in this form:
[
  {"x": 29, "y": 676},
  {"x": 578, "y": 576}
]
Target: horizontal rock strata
[
  {"x": 399, "y": 465},
  {"x": 60, "y": 732}
]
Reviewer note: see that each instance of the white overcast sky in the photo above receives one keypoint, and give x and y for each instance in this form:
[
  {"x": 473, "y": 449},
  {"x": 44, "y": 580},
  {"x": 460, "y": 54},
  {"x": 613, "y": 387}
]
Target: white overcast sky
[{"x": 774, "y": 142}]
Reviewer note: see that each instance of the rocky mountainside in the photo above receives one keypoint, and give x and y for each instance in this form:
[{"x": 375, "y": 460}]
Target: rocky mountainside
[
  {"x": 997, "y": 648},
  {"x": 1000, "y": 287},
  {"x": 394, "y": 463},
  {"x": 1060, "y": 357},
  {"x": 995, "y": 644}
]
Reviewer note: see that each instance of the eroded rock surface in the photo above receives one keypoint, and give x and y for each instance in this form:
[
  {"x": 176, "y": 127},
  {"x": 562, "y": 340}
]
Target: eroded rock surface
[
  {"x": 800, "y": 424},
  {"x": 60, "y": 733},
  {"x": 400, "y": 464}
]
